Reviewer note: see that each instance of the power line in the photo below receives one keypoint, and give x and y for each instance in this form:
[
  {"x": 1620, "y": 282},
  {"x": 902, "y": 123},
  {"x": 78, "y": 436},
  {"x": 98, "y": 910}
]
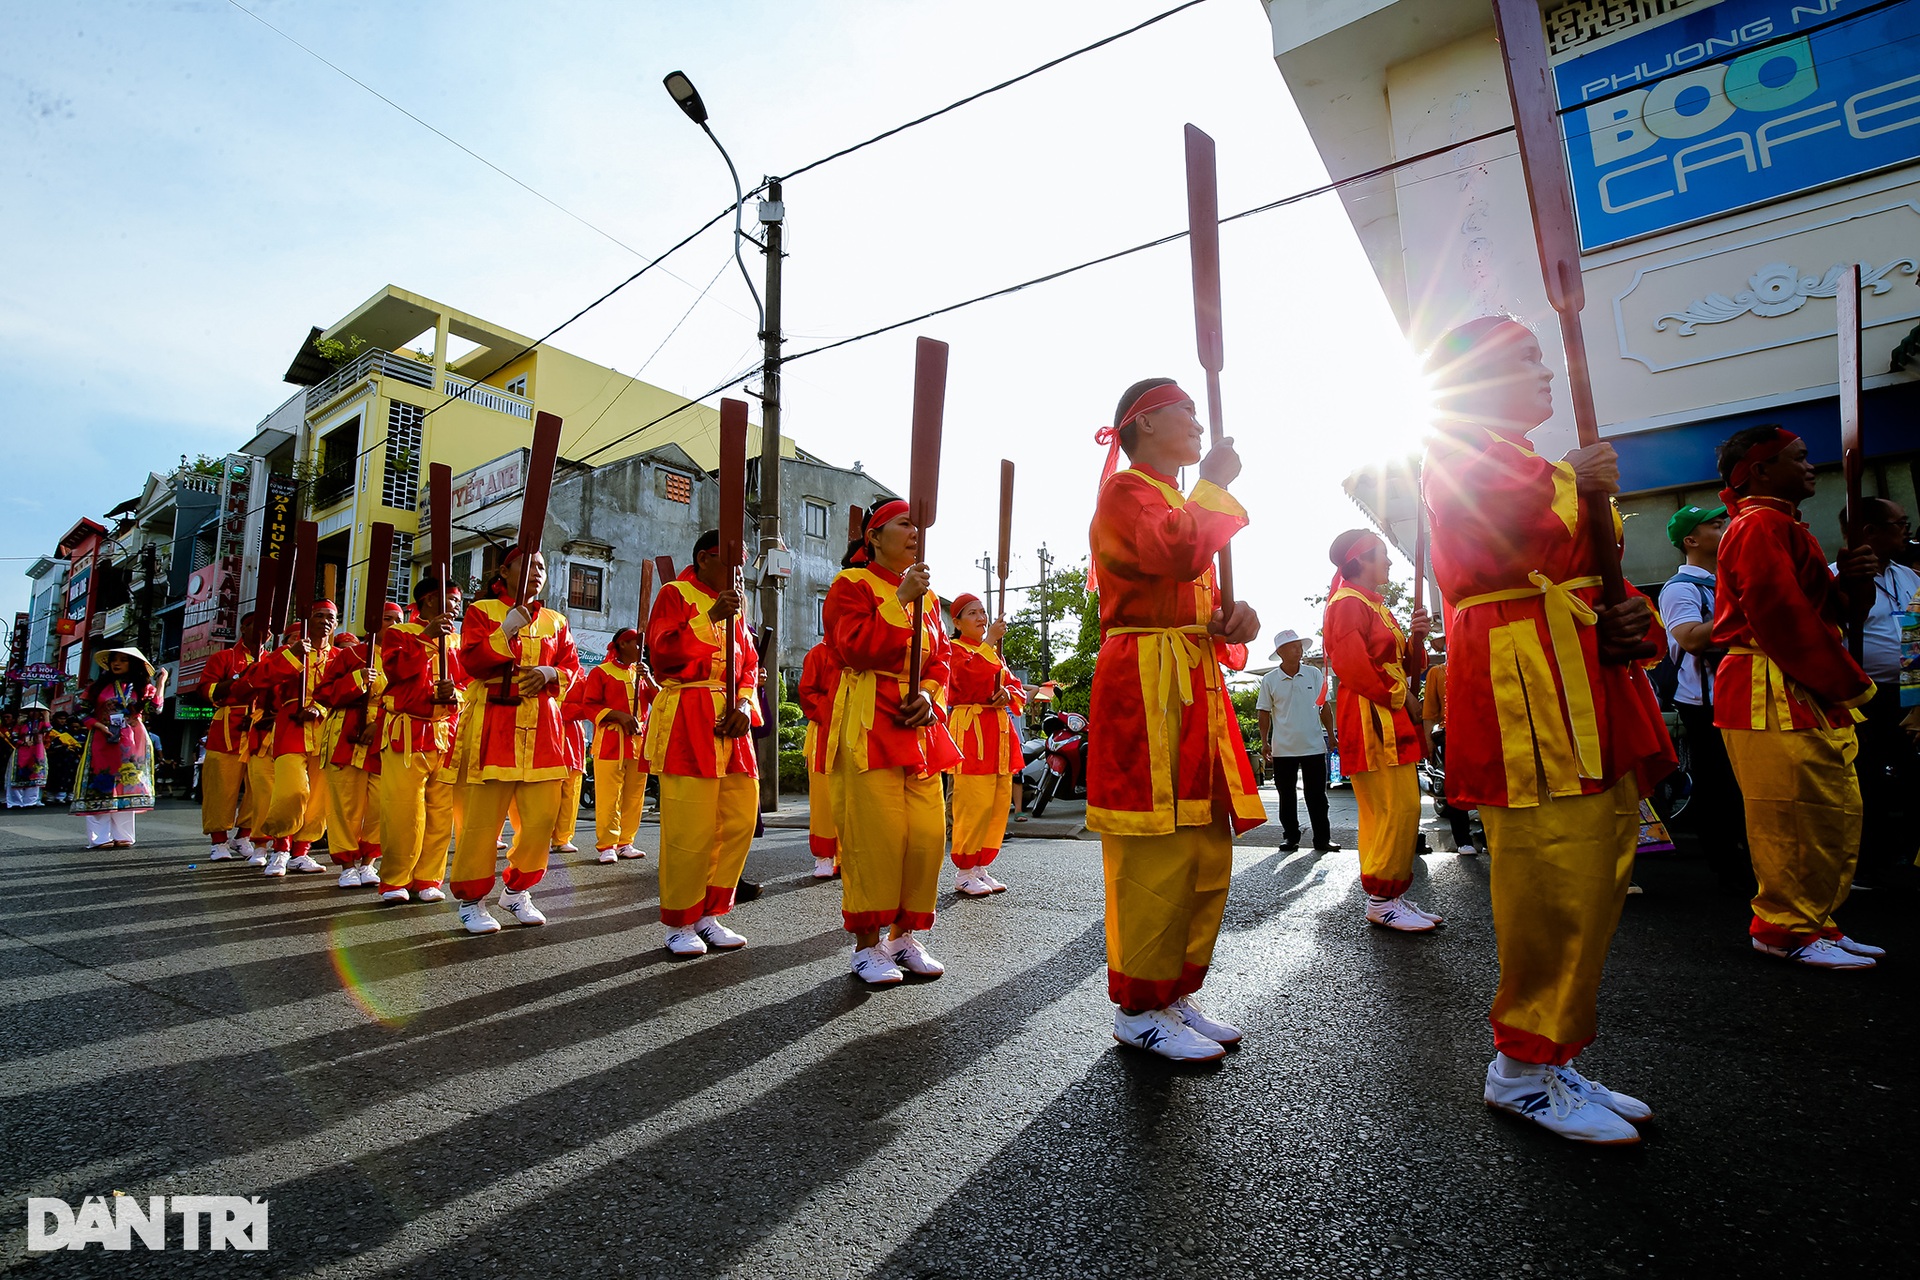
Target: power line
[{"x": 693, "y": 403}]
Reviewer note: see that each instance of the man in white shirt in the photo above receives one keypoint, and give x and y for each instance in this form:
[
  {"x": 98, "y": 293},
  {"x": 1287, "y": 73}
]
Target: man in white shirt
[
  {"x": 1887, "y": 766},
  {"x": 1716, "y": 813},
  {"x": 1293, "y": 738}
]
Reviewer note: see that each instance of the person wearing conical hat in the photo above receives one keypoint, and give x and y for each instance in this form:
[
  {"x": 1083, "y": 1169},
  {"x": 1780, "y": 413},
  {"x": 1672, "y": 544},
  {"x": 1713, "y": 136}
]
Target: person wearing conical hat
[
  {"x": 980, "y": 690},
  {"x": 27, "y": 766},
  {"x": 114, "y": 781},
  {"x": 350, "y": 688},
  {"x": 290, "y": 678},
  {"x": 226, "y": 804},
  {"x": 615, "y": 696},
  {"x": 819, "y": 680},
  {"x": 1376, "y": 661}
]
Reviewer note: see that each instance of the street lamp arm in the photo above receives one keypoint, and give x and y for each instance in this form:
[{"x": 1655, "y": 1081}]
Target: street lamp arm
[{"x": 739, "y": 233}]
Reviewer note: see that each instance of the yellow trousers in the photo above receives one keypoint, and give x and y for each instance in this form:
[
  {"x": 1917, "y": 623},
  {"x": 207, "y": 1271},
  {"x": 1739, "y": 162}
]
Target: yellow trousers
[
  {"x": 223, "y": 775},
  {"x": 706, "y": 827},
  {"x": 484, "y": 813},
  {"x": 259, "y": 797},
  {"x": 298, "y": 810},
  {"x": 619, "y": 797},
  {"x": 566, "y": 819},
  {"x": 980, "y": 804},
  {"x": 1165, "y": 897},
  {"x": 893, "y": 835},
  {"x": 418, "y": 815},
  {"x": 823, "y": 834},
  {"x": 1803, "y": 826},
  {"x": 1559, "y": 878},
  {"x": 353, "y": 814},
  {"x": 1389, "y": 827}
]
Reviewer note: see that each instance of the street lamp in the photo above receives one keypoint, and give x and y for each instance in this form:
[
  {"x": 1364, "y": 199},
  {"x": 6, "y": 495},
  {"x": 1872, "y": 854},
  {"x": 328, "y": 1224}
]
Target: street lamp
[{"x": 687, "y": 96}]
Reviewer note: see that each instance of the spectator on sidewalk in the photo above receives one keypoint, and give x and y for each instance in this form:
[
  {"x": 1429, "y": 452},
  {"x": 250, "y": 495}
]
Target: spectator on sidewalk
[{"x": 1294, "y": 724}]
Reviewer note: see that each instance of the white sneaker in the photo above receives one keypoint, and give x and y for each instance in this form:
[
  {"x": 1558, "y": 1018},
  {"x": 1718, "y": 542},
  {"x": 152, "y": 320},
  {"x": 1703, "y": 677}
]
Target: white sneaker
[
  {"x": 1468, "y": 851},
  {"x": 276, "y": 863},
  {"x": 240, "y": 846},
  {"x": 350, "y": 878},
  {"x": 968, "y": 885},
  {"x": 873, "y": 966},
  {"x": 503, "y": 843},
  {"x": 685, "y": 941},
  {"x": 906, "y": 953},
  {"x": 369, "y": 873},
  {"x": 568, "y": 847},
  {"x": 980, "y": 876},
  {"x": 258, "y": 858},
  {"x": 521, "y": 905},
  {"x": 823, "y": 868},
  {"x": 401, "y": 895},
  {"x": 610, "y": 854},
  {"x": 1397, "y": 913},
  {"x": 305, "y": 865},
  {"x": 1624, "y": 1105},
  {"x": 1161, "y": 1031},
  {"x": 219, "y": 853},
  {"x": 1212, "y": 1028},
  {"x": 477, "y": 919},
  {"x": 432, "y": 893},
  {"x": 717, "y": 936},
  {"x": 1817, "y": 953},
  {"x": 629, "y": 851},
  {"x": 1419, "y": 910},
  {"x": 1543, "y": 1097},
  {"x": 1868, "y": 950}
]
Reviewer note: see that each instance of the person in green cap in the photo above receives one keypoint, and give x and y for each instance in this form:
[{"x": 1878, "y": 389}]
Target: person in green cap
[{"x": 1686, "y": 604}]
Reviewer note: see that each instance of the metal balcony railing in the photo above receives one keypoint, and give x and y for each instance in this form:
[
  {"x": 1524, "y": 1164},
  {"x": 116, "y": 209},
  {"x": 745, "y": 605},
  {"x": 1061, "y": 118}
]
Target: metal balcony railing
[
  {"x": 369, "y": 364},
  {"x": 334, "y": 484},
  {"x": 487, "y": 397}
]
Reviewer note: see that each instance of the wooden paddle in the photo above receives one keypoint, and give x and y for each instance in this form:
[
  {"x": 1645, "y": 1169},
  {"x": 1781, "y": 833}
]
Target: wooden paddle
[
  {"x": 1006, "y": 543},
  {"x": 733, "y": 519},
  {"x": 1203, "y": 239},
  {"x": 440, "y": 522},
  {"x": 306, "y": 551},
  {"x": 923, "y": 488},
  {"x": 1852, "y": 459},
  {"x": 533, "y": 519},
  {"x": 646, "y": 608}
]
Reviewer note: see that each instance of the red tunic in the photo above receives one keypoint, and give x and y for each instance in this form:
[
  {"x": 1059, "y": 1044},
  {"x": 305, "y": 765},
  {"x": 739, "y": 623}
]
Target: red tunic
[
  {"x": 610, "y": 687},
  {"x": 819, "y": 682},
  {"x": 288, "y": 683},
  {"x": 1367, "y": 651},
  {"x": 871, "y": 634},
  {"x": 511, "y": 740},
  {"x": 980, "y": 729},
  {"x": 1777, "y": 613},
  {"x": 1166, "y": 741},
  {"x": 410, "y": 665},
  {"x": 684, "y": 650},
  {"x": 344, "y": 687},
  {"x": 227, "y": 733},
  {"x": 1521, "y": 583}
]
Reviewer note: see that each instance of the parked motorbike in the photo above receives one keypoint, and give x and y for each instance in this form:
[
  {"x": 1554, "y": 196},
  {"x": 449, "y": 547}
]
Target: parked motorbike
[{"x": 1066, "y": 760}]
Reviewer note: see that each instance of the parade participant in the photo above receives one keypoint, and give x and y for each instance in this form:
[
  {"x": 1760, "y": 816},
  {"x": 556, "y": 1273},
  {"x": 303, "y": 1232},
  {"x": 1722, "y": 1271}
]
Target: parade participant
[
  {"x": 1375, "y": 662},
  {"x": 514, "y": 741},
  {"x": 225, "y": 803},
  {"x": 295, "y": 814},
  {"x": 701, "y": 750},
  {"x": 886, "y": 748},
  {"x": 27, "y": 766},
  {"x": 114, "y": 782},
  {"x": 566, "y": 819},
  {"x": 614, "y": 696},
  {"x": 1784, "y": 699},
  {"x": 979, "y": 691},
  {"x": 819, "y": 680},
  {"x": 420, "y": 803},
  {"x": 350, "y": 687},
  {"x": 1168, "y": 779},
  {"x": 1552, "y": 731}
]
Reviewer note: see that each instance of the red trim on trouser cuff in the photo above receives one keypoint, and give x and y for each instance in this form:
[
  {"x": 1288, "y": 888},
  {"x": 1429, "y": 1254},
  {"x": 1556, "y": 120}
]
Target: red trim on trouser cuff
[
  {"x": 346, "y": 859},
  {"x": 216, "y": 838},
  {"x": 1833, "y": 933},
  {"x": 369, "y": 852},
  {"x": 415, "y": 885},
  {"x": 515, "y": 879},
  {"x": 1153, "y": 993},
  {"x": 246, "y": 833},
  {"x": 472, "y": 890},
  {"x": 719, "y": 899},
  {"x": 282, "y": 844},
  {"x": 1378, "y": 888},
  {"x": 300, "y": 848},
  {"x": 683, "y": 916},
  {"x": 1779, "y": 936},
  {"x": 856, "y": 921},
  {"x": 1191, "y": 976},
  {"x": 823, "y": 846},
  {"x": 986, "y": 856},
  {"x": 1531, "y": 1046},
  {"x": 979, "y": 858},
  {"x": 915, "y": 920}
]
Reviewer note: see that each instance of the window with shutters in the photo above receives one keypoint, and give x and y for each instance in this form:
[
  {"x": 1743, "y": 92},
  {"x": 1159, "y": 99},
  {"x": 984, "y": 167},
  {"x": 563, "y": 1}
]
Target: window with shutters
[
  {"x": 400, "y": 488},
  {"x": 583, "y": 587},
  {"x": 816, "y": 518}
]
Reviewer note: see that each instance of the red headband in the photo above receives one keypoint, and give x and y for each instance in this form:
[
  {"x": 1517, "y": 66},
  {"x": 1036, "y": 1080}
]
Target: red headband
[
  {"x": 1762, "y": 451},
  {"x": 392, "y": 610},
  {"x": 318, "y": 605},
  {"x": 886, "y": 512},
  {"x": 1161, "y": 397},
  {"x": 621, "y": 634},
  {"x": 960, "y": 604}
]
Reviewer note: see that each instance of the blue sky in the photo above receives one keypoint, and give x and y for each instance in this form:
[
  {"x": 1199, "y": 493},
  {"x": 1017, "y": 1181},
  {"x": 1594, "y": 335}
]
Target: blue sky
[{"x": 185, "y": 193}]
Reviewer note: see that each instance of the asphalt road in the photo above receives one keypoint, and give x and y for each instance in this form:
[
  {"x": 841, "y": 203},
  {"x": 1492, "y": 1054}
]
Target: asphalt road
[{"x": 568, "y": 1101}]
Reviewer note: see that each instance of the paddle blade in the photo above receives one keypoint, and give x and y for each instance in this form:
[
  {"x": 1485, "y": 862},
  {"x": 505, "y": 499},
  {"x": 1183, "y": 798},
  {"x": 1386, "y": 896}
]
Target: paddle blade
[
  {"x": 533, "y": 501},
  {"x": 929, "y": 412},
  {"x": 306, "y": 556},
  {"x": 440, "y": 519},
  {"x": 664, "y": 566},
  {"x": 379, "y": 570},
  {"x": 1847, "y": 315},
  {"x": 1006, "y": 517},
  {"x": 733, "y": 480},
  {"x": 856, "y": 516},
  {"x": 1203, "y": 239},
  {"x": 646, "y": 596},
  {"x": 1523, "y": 41}
]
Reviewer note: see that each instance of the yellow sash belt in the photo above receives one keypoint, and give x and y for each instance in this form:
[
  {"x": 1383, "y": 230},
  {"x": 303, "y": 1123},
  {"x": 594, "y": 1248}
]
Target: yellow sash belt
[
  {"x": 964, "y": 721},
  {"x": 1164, "y": 659},
  {"x": 1565, "y": 611},
  {"x": 853, "y": 708},
  {"x": 666, "y": 709}
]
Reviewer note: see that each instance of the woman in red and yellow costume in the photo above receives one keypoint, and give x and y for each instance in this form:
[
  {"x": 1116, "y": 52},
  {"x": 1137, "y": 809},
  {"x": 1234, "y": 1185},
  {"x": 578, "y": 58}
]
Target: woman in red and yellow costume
[
  {"x": 819, "y": 680},
  {"x": 614, "y": 696},
  {"x": 1168, "y": 779},
  {"x": 290, "y": 678},
  {"x": 420, "y": 806},
  {"x": 514, "y": 741},
  {"x": 1553, "y": 731},
  {"x": 979, "y": 691},
  {"x": 1375, "y": 660},
  {"x": 225, "y": 801},
  {"x": 886, "y": 747},
  {"x": 350, "y": 688}
]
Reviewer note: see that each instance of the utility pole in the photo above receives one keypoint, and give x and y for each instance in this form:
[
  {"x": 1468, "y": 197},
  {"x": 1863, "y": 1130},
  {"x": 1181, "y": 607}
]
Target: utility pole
[
  {"x": 986, "y": 563},
  {"x": 149, "y": 555},
  {"x": 772, "y": 213},
  {"x": 1046, "y": 645}
]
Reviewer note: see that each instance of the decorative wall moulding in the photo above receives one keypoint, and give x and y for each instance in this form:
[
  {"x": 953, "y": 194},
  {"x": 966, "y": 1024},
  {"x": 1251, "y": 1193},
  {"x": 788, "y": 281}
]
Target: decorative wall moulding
[{"x": 1692, "y": 324}]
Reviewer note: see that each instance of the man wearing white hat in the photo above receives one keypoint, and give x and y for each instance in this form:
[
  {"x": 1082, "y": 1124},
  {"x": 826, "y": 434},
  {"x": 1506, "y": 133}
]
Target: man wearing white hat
[{"x": 1294, "y": 723}]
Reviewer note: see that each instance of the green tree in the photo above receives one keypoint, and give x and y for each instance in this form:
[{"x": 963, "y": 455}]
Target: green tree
[{"x": 1073, "y": 633}]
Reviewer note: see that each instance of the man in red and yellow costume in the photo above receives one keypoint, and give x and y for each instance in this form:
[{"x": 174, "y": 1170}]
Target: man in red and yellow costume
[
  {"x": 351, "y": 687},
  {"x": 819, "y": 680},
  {"x": 1375, "y": 662},
  {"x": 420, "y": 805},
  {"x": 225, "y": 803},
  {"x": 980, "y": 690},
  {"x": 514, "y": 741},
  {"x": 614, "y": 696},
  {"x": 290, "y": 677},
  {"x": 1553, "y": 731},
  {"x": 1168, "y": 780},
  {"x": 1784, "y": 699},
  {"x": 701, "y": 749}
]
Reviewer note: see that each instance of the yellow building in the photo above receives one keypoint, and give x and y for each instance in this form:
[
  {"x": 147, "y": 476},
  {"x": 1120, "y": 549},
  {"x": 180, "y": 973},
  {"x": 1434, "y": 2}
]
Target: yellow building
[{"x": 392, "y": 400}]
